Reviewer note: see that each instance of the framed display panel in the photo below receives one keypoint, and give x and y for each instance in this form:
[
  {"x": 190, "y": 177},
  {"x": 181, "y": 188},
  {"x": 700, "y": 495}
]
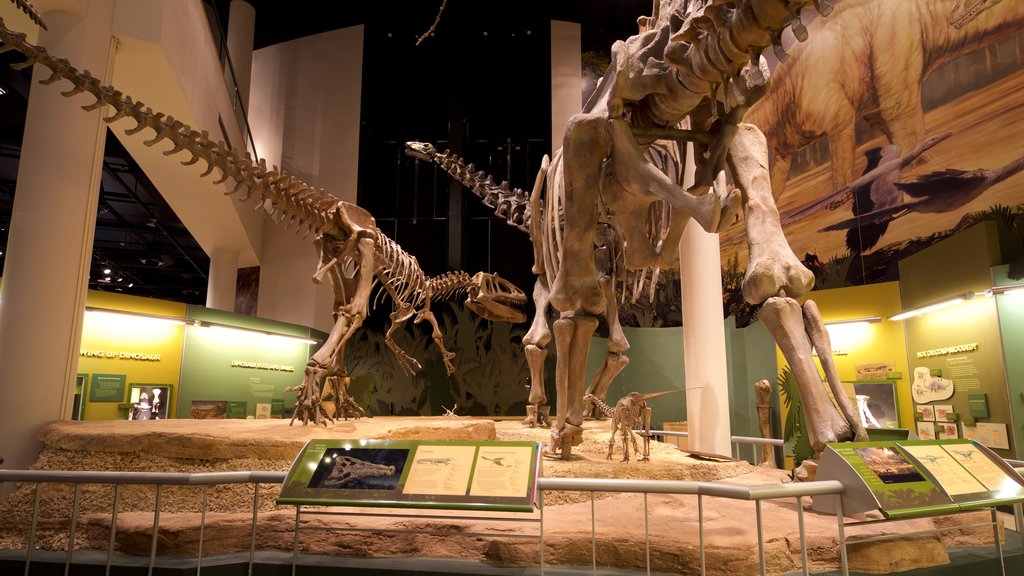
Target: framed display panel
[
  {"x": 107, "y": 387},
  {"x": 876, "y": 402},
  {"x": 911, "y": 478},
  {"x": 159, "y": 397},
  {"x": 485, "y": 475}
]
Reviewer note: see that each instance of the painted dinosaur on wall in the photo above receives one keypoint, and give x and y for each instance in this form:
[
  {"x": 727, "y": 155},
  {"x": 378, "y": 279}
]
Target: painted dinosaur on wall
[
  {"x": 354, "y": 254},
  {"x": 868, "y": 59}
]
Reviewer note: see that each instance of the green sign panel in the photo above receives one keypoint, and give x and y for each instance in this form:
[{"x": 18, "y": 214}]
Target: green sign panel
[
  {"x": 485, "y": 475},
  {"x": 107, "y": 388},
  {"x": 910, "y": 478},
  {"x": 238, "y": 409}
]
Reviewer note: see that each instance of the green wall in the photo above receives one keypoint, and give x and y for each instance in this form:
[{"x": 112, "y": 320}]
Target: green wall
[
  {"x": 208, "y": 373},
  {"x": 958, "y": 264},
  {"x": 656, "y": 365},
  {"x": 1010, "y": 310}
]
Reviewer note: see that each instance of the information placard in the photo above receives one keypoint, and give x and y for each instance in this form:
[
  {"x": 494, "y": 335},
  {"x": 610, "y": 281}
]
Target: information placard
[
  {"x": 107, "y": 388},
  {"x": 917, "y": 477},
  {"x": 484, "y": 475}
]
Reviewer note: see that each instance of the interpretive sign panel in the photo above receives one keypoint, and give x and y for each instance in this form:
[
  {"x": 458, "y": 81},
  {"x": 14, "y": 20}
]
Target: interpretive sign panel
[
  {"x": 107, "y": 388},
  {"x": 917, "y": 477},
  {"x": 486, "y": 475}
]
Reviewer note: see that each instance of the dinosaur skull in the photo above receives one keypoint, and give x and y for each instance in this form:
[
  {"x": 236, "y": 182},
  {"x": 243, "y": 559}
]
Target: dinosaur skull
[
  {"x": 495, "y": 298},
  {"x": 420, "y": 150}
]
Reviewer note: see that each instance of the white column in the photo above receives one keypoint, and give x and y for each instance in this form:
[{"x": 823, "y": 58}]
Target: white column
[
  {"x": 49, "y": 248},
  {"x": 707, "y": 382},
  {"x": 223, "y": 279},
  {"x": 241, "y": 31},
  {"x": 566, "y": 77}
]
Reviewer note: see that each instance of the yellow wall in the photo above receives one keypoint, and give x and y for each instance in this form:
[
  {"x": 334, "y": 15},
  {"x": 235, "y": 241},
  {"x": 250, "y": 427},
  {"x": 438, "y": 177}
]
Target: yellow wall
[
  {"x": 116, "y": 333},
  {"x": 879, "y": 342}
]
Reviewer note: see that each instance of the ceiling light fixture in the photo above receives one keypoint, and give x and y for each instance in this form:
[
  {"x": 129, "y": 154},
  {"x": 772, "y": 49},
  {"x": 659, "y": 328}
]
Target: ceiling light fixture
[
  {"x": 854, "y": 321},
  {"x": 239, "y": 330},
  {"x": 963, "y": 297},
  {"x": 111, "y": 311}
]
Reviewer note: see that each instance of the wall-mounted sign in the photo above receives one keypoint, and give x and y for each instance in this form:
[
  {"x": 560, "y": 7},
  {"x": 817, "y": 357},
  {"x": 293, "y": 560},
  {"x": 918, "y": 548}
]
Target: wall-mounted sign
[
  {"x": 262, "y": 366},
  {"x": 107, "y": 388},
  {"x": 948, "y": 350},
  {"x": 119, "y": 355}
]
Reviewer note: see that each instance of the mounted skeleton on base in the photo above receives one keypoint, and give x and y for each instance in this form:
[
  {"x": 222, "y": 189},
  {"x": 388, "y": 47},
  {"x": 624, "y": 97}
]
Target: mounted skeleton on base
[{"x": 353, "y": 251}]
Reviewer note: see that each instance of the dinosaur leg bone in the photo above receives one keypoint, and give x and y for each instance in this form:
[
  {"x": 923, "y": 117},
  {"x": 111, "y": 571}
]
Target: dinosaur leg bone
[
  {"x": 615, "y": 360},
  {"x": 771, "y": 266},
  {"x": 572, "y": 341},
  {"x": 438, "y": 337},
  {"x": 409, "y": 364},
  {"x": 815, "y": 327},
  {"x": 783, "y": 318},
  {"x": 585, "y": 147},
  {"x": 536, "y": 343}
]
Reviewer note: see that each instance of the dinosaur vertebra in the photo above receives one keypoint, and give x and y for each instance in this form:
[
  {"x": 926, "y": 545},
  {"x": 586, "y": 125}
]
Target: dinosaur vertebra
[{"x": 354, "y": 253}]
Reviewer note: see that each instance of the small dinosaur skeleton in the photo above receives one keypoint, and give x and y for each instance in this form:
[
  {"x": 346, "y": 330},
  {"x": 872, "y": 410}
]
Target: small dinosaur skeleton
[
  {"x": 348, "y": 471},
  {"x": 354, "y": 254},
  {"x": 630, "y": 412}
]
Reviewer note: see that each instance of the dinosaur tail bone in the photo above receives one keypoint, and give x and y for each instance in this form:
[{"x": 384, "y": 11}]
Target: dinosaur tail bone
[{"x": 796, "y": 332}]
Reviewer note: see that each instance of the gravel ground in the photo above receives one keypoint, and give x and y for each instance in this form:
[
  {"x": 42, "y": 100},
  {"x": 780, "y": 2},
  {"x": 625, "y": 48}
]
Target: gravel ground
[{"x": 57, "y": 500}]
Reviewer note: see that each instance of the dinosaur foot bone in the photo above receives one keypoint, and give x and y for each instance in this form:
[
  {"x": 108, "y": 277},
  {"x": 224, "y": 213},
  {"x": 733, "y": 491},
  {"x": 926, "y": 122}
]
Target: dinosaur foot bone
[
  {"x": 538, "y": 415},
  {"x": 562, "y": 441}
]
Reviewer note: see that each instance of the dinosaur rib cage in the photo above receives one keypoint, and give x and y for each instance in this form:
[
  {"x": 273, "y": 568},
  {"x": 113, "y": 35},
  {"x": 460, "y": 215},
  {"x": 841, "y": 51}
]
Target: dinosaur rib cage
[
  {"x": 283, "y": 196},
  {"x": 400, "y": 276}
]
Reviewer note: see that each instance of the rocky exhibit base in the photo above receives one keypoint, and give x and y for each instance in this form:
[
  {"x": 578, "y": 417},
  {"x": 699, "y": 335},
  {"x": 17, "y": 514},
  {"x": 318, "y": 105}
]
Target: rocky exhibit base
[{"x": 611, "y": 527}]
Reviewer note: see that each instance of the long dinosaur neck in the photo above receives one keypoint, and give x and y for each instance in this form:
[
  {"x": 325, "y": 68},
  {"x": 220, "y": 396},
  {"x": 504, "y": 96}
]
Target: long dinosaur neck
[
  {"x": 284, "y": 198},
  {"x": 511, "y": 203}
]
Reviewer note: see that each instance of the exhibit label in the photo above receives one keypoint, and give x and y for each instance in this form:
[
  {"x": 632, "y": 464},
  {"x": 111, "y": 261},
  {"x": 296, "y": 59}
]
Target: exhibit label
[
  {"x": 118, "y": 355},
  {"x": 948, "y": 350}
]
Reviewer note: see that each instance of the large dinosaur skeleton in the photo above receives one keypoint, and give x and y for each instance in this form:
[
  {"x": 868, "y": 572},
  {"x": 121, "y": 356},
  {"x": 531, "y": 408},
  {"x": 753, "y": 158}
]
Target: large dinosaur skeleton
[
  {"x": 354, "y": 254},
  {"x": 695, "y": 64},
  {"x": 517, "y": 207}
]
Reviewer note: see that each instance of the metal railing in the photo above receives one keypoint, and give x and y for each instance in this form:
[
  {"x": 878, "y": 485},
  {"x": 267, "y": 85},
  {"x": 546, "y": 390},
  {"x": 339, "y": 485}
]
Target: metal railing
[
  {"x": 736, "y": 441},
  {"x": 795, "y": 491},
  {"x": 159, "y": 481}
]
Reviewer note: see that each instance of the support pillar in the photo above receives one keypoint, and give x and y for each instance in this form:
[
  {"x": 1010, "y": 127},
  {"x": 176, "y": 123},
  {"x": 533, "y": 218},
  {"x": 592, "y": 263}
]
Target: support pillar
[
  {"x": 705, "y": 367},
  {"x": 223, "y": 280},
  {"x": 241, "y": 31},
  {"x": 49, "y": 251}
]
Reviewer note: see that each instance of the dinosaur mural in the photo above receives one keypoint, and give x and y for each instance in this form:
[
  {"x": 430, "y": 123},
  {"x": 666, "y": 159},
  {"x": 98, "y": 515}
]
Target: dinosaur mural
[
  {"x": 354, "y": 254},
  {"x": 868, "y": 60}
]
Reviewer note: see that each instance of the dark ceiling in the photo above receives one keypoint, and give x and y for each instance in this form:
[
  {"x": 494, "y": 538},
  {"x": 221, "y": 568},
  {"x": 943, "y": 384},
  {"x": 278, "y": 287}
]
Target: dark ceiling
[{"x": 139, "y": 239}]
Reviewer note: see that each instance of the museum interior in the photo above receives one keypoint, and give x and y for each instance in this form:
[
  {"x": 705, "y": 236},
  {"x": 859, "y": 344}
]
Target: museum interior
[{"x": 585, "y": 286}]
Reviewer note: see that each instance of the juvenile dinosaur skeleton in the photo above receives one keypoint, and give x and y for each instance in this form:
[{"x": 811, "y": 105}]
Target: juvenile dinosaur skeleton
[
  {"x": 629, "y": 413},
  {"x": 354, "y": 254}
]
